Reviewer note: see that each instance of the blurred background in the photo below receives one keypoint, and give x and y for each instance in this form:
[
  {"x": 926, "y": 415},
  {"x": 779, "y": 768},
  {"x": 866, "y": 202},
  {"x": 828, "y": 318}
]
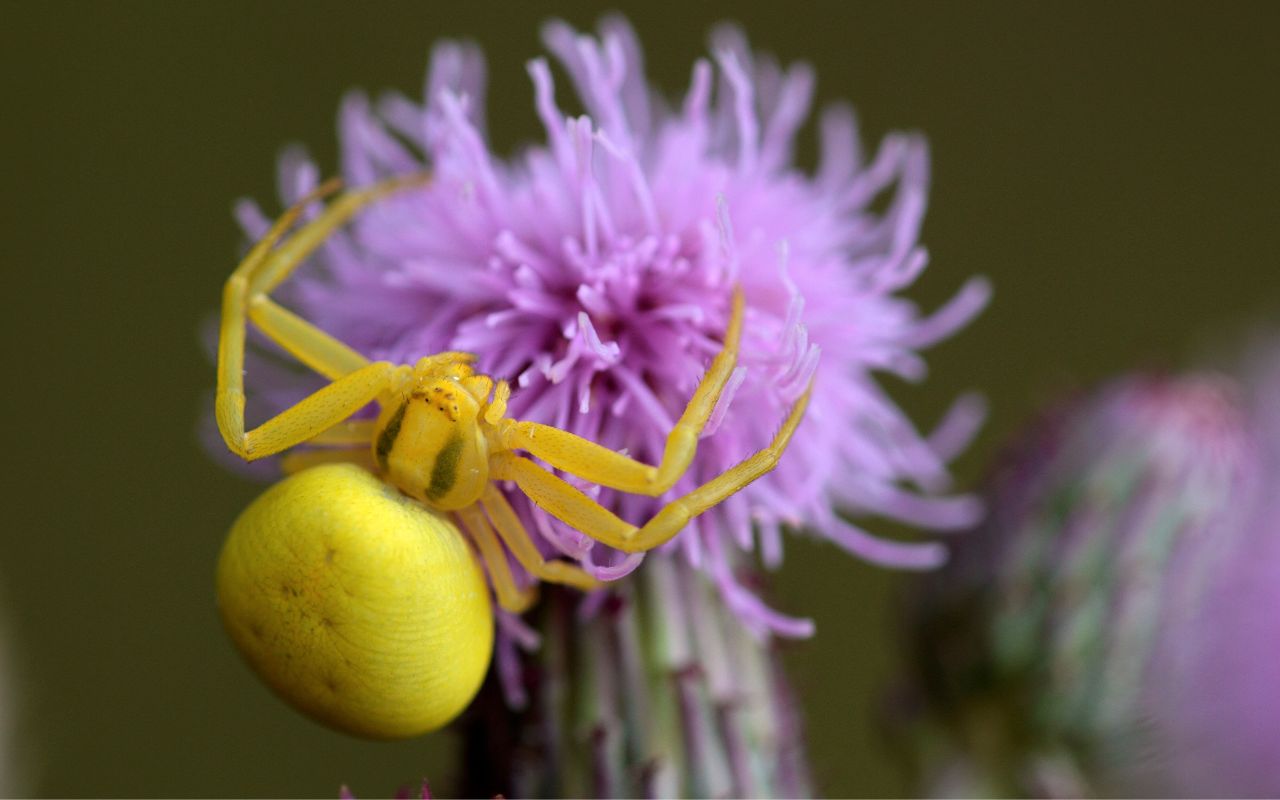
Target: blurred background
[{"x": 1113, "y": 168}]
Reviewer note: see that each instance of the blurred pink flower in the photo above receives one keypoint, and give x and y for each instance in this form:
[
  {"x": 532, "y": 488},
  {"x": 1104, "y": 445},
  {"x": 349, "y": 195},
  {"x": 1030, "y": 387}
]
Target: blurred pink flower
[{"x": 1111, "y": 629}]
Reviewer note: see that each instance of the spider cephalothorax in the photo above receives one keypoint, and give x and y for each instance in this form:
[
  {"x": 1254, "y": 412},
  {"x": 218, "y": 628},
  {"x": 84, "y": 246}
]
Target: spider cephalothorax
[{"x": 429, "y": 442}]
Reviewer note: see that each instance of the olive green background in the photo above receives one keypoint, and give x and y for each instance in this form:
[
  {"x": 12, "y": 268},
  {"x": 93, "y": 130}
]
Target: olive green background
[{"x": 1114, "y": 170}]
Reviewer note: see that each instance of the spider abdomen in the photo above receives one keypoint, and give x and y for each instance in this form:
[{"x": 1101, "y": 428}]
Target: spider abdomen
[{"x": 355, "y": 604}]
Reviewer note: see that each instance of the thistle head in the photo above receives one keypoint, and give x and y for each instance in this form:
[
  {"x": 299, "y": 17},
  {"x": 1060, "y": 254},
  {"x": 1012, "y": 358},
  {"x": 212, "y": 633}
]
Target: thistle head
[
  {"x": 594, "y": 271},
  {"x": 1079, "y": 640}
]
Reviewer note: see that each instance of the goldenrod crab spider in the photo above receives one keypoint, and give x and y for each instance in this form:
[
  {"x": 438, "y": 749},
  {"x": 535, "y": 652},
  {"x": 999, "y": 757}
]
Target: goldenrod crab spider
[{"x": 348, "y": 586}]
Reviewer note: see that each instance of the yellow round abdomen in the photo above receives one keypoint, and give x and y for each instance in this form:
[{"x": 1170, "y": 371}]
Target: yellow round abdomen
[{"x": 356, "y": 604}]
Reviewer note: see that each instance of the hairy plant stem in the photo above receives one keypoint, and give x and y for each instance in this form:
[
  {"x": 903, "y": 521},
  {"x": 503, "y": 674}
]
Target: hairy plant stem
[{"x": 652, "y": 690}]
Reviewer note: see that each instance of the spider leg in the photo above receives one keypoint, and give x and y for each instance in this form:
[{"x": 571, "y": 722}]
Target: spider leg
[
  {"x": 349, "y": 434},
  {"x": 309, "y": 417},
  {"x": 250, "y": 280},
  {"x": 347, "y": 442},
  {"x": 302, "y": 340},
  {"x": 297, "y": 461},
  {"x": 497, "y": 407},
  {"x": 600, "y": 465},
  {"x": 510, "y": 597},
  {"x": 449, "y": 358},
  {"x": 267, "y": 265},
  {"x": 574, "y": 508},
  {"x": 244, "y": 299},
  {"x": 516, "y": 537}
]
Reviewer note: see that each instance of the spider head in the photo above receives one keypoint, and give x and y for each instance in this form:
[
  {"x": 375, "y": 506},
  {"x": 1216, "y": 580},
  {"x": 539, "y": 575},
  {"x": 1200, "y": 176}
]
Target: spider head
[{"x": 429, "y": 443}]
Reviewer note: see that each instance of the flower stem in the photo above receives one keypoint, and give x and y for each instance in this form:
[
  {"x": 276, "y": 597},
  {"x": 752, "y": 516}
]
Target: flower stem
[{"x": 654, "y": 690}]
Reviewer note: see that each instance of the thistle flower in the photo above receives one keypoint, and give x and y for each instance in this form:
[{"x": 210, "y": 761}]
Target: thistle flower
[
  {"x": 595, "y": 271},
  {"x": 1111, "y": 629}
]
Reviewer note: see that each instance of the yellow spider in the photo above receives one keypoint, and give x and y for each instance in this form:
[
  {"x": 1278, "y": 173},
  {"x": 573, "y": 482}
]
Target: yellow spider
[{"x": 348, "y": 586}]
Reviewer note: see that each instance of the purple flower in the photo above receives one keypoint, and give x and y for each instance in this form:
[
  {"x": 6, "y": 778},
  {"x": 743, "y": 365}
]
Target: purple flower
[
  {"x": 1214, "y": 694},
  {"x": 1112, "y": 627},
  {"x": 595, "y": 272}
]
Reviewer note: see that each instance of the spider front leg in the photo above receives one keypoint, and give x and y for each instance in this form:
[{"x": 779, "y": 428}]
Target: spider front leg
[
  {"x": 356, "y": 381},
  {"x": 600, "y": 465},
  {"x": 312, "y": 415},
  {"x": 568, "y": 504}
]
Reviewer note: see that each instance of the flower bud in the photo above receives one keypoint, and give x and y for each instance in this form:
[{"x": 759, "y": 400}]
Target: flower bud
[{"x": 1105, "y": 631}]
